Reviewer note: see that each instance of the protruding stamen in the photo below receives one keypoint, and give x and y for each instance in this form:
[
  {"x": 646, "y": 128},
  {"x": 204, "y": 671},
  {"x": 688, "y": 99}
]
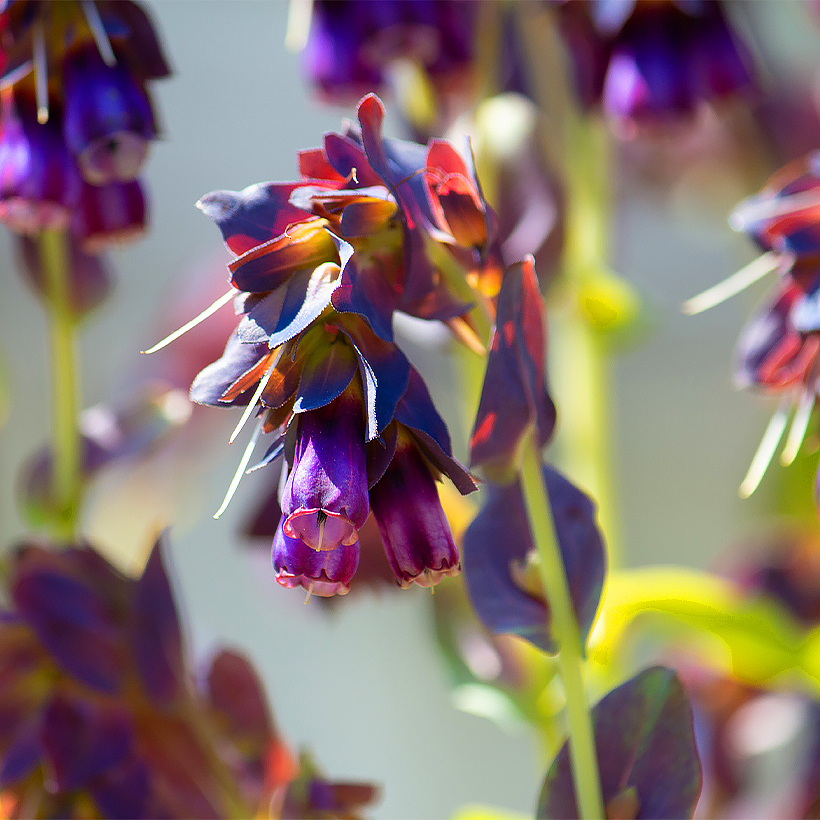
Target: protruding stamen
[
  {"x": 800, "y": 424},
  {"x": 40, "y": 72},
  {"x": 321, "y": 518},
  {"x": 223, "y": 300},
  {"x": 263, "y": 383},
  {"x": 765, "y": 452},
  {"x": 237, "y": 477},
  {"x": 737, "y": 282},
  {"x": 756, "y": 210},
  {"x": 309, "y": 591},
  {"x": 98, "y": 32},
  {"x": 300, "y": 13}
]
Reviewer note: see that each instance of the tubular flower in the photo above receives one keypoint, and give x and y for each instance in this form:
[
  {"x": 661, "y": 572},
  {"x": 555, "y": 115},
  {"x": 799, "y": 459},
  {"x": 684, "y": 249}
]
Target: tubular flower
[
  {"x": 101, "y": 717},
  {"x": 374, "y": 226},
  {"x": 353, "y": 44},
  {"x": 75, "y": 107},
  {"x": 653, "y": 63}
]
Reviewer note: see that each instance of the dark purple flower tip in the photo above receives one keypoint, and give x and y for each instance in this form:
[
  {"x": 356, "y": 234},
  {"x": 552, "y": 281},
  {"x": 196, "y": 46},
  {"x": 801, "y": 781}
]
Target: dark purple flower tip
[
  {"x": 412, "y": 523},
  {"x": 324, "y": 573},
  {"x": 111, "y": 214},
  {"x": 324, "y": 501},
  {"x": 39, "y": 182},
  {"x": 107, "y": 121}
]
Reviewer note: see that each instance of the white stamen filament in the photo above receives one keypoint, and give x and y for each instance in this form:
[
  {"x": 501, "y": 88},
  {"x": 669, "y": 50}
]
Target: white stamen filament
[
  {"x": 765, "y": 452},
  {"x": 309, "y": 592},
  {"x": 799, "y": 426},
  {"x": 320, "y": 520},
  {"x": 747, "y": 275},
  {"x": 237, "y": 477},
  {"x": 263, "y": 383},
  {"x": 223, "y": 300},
  {"x": 98, "y": 32},
  {"x": 40, "y": 72},
  {"x": 757, "y": 210}
]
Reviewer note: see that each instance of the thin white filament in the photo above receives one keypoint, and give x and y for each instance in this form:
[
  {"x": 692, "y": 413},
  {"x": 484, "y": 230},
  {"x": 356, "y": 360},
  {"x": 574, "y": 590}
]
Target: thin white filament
[
  {"x": 223, "y": 300},
  {"x": 747, "y": 275},
  {"x": 765, "y": 452},
  {"x": 237, "y": 477},
  {"x": 98, "y": 32},
  {"x": 256, "y": 396},
  {"x": 298, "y": 25},
  {"x": 40, "y": 72},
  {"x": 757, "y": 210},
  {"x": 799, "y": 426}
]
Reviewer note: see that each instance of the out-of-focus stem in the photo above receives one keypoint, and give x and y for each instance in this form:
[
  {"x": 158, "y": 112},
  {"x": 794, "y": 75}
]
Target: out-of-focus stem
[
  {"x": 579, "y": 357},
  {"x": 582, "y": 750},
  {"x": 65, "y": 472}
]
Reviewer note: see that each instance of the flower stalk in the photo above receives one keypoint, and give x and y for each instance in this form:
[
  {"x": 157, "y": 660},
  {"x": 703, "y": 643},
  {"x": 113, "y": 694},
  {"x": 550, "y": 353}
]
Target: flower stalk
[
  {"x": 66, "y": 476},
  {"x": 567, "y": 634}
]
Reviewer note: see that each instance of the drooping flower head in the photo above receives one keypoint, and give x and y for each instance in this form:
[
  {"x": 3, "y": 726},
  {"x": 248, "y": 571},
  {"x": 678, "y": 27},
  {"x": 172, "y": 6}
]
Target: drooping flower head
[
  {"x": 373, "y": 227},
  {"x": 648, "y": 63},
  {"x": 76, "y": 119},
  {"x": 777, "y": 350}
]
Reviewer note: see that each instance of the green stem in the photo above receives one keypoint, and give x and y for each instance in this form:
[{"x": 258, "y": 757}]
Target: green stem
[
  {"x": 567, "y": 634},
  {"x": 66, "y": 475}
]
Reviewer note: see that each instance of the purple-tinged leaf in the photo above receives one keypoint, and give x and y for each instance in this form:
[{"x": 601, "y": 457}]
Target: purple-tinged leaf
[
  {"x": 237, "y": 694},
  {"x": 349, "y": 160},
  {"x": 239, "y": 359},
  {"x": 125, "y": 792},
  {"x": 309, "y": 293},
  {"x": 23, "y": 755},
  {"x": 155, "y": 635},
  {"x": 366, "y": 217},
  {"x": 326, "y": 372},
  {"x": 270, "y": 265},
  {"x": 260, "y": 321},
  {"x": 82, "y": 740},
  {"x": 498, "y": 552},
  {"x": 254, "y": 215},
  {"x": 369, "y": 293},
  {"x": 384, "y": 369},
  {"x": 72, "y": 620},
  {"x": 313, "y": 164},
  {"x": 271, "y": 454},
  {"x": 380, "y": 452},
  {"x": 647, "y": 755},
  {"x": 514, "y": 395}
]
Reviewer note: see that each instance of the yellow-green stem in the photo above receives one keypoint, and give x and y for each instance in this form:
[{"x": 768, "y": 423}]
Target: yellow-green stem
[
  {"x": 567, "y": 635},
  {"x": 66, "y": 477}
]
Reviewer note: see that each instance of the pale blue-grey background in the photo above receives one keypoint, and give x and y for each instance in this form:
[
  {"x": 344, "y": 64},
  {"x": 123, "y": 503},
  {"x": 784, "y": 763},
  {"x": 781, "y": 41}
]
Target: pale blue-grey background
[{"x": 364, "y": 687}]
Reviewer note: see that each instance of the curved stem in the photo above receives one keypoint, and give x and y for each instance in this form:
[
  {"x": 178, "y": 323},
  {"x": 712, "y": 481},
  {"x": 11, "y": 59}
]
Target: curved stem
[
  {"x": 582, "y": 749},
  {"x": 66, "y": 467}
]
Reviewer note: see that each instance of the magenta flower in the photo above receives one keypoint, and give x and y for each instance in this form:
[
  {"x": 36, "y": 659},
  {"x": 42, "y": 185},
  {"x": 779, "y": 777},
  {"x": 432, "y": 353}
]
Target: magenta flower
[
  {"x": 325, "y": 498},
  {"x": 412, "y": 523}
]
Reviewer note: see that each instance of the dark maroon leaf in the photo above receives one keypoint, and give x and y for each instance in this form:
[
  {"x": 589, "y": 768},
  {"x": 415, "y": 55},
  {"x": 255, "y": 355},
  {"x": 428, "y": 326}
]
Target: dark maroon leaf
[
  {"x": 515, "y": 394},
  {"x": 505, "y": 590},
  {"x": 646, "y": 743},
  {"x": 155, "y": 635}
]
